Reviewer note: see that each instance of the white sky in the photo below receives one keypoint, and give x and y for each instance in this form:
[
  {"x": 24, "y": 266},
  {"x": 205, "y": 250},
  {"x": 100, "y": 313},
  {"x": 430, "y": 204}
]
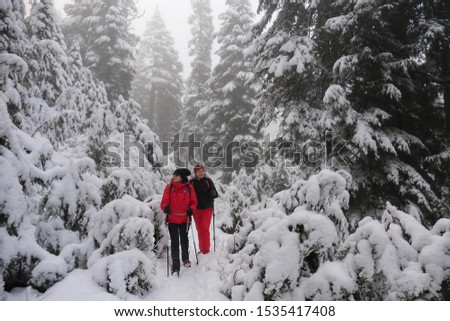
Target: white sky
[{"x": 175, "y": 13}]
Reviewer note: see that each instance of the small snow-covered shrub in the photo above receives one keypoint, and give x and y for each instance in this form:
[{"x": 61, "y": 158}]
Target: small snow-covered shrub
[
  {"x": 18, "y": 270},
  {"x": 161, "y": 234},
  {"x": 435, "y": 257},
  {"x": 397, "y": 259},
  {"x": 13, "y": 206},
  {"x": 48, "y": 272},
  {"x": 279, "y": 252},
  {"x": 132, "y": 233},
  {"x": 327, "y": 193},
  {"x": 332, "y": 281},
  {"x": 118, "y": 184},
  {"x": 53, "y": 237},
  {"x": 114, "y": 212},
  {"x": 77, "y": 255},
  {"x": 73, "y": 197},
  {"x": 125, "y": 272},
  {"x": 237, "y": 204}
]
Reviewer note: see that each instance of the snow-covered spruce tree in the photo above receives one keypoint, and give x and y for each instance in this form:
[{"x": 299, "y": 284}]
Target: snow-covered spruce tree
[
  {"x": 431, "y": 29},
  {"x": 73, "y": 106},
  {"x": 107, "y": 45},
  {"x": 49, "y": 79},
  {"x": 226, "y": 117},
  {"x": 59, "y": 80},
  {"x": 200, "y": 47},
  {"x": 100, "y": 120},
  {"x": 288, "y": 67},
  {"x": 235, "y": 212},
  {"x": 158, "y": 84},
  {"x": 245, "y": 192},
  {"x": 47, "y": 58},
  {"x": 375, "y": 105},
  {"x": 13, "y": 45}
]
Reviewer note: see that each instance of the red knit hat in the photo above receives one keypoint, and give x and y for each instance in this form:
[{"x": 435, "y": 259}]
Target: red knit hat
[{"x": 198, "y": 167}]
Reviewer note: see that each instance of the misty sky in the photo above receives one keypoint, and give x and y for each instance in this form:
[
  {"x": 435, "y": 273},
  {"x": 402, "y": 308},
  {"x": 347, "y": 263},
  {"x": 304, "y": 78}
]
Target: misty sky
[{"x": 175, "y": 14}]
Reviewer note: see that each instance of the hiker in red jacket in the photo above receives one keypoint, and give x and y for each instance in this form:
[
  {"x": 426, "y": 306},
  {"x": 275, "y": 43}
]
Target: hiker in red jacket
[
  {"x": 179, "y": 202},
  {"x": 206, "y": 193}
]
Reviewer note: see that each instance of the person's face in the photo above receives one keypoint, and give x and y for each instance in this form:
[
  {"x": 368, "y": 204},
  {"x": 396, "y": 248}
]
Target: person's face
[
  {"x": 200, "y": 173},
  {"x": 176, "y": 178}
]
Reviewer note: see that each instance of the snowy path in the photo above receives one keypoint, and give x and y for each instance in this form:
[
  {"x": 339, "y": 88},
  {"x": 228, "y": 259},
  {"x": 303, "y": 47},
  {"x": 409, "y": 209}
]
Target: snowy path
[{"x": 197, "y": 283}]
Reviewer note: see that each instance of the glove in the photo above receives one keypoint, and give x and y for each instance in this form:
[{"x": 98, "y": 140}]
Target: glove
[
  {"x": 189, "y": 211},
  {"x": 167, "y": 209}
]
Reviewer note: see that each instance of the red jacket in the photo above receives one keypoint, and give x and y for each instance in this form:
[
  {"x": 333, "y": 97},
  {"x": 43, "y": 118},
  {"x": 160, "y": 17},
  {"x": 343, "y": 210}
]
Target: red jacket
[{"x": 181, "y": 197}]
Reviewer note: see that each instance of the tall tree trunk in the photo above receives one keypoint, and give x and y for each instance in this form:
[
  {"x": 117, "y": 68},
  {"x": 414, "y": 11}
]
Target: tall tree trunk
[
  {"x": 447, "y": 109},
  {"x": 151, "y": 109}
]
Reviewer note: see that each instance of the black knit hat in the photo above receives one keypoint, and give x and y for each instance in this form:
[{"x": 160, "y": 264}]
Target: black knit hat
[{"x": 183, "y": 172}]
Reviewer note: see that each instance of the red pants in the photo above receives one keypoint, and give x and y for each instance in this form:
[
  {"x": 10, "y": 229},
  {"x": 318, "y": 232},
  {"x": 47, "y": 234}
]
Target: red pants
[{"x": 202, "y": 220}]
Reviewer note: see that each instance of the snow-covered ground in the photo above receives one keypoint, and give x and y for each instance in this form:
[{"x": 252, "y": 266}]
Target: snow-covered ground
[{"x": 198, "y": 283}]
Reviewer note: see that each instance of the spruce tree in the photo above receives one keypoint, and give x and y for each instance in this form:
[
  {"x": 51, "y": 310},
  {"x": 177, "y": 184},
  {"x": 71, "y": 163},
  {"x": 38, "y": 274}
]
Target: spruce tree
[
  {"x": 13, "y": 45},
  {"x": 200, "y": 47},
  {"x": 107, "y": 42},
  {"x": 48, "y": 77},
  {"x": 226, "y": 117},
  {"x": 357, "y": 76},
  {"x": 287, "y": 65},
  {"x": 291, "y": 77},
  {"x": 376, "y": 105},
  {"x": 431, "y": 31},
  {"x": 158, "y": 84},
  {"x": 432, "y": 26}
]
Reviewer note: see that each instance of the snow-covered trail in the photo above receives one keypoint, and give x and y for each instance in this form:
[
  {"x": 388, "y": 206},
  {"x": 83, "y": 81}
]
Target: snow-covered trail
[
  {"x": 200, "y": 282},
  {"x": 197, "y": 283}
]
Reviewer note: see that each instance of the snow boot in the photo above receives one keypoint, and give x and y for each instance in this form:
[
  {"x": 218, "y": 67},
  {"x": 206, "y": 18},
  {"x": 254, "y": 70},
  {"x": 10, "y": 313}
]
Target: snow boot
[
  {"x": 187, "y": 263},
  {"x": 176, "y": 272}
]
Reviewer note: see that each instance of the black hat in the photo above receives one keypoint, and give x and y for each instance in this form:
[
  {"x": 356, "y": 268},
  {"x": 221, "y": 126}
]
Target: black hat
[{"x": 183, "y": 172}]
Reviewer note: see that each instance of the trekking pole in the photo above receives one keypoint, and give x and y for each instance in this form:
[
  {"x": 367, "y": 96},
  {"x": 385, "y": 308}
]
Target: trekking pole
[
  {"x": 167, "y": 251},
  {"x": 214, "y": 229},
  {"x": 193, "y": 240}
]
